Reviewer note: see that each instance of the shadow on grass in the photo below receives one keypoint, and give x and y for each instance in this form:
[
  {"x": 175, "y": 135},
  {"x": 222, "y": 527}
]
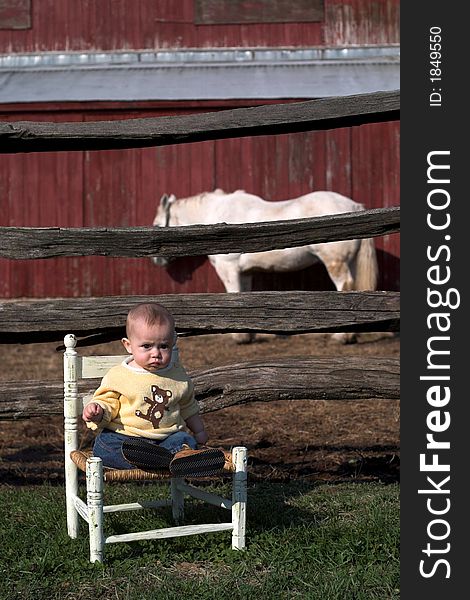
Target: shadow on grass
[{"x": 37, "y": 464}]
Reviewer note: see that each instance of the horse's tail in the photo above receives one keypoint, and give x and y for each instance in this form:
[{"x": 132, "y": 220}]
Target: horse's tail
[{"x": 366, "y": 268}]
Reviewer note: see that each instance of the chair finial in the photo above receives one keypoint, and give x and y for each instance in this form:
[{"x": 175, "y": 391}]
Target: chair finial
[{"x": 70, "y": 341}]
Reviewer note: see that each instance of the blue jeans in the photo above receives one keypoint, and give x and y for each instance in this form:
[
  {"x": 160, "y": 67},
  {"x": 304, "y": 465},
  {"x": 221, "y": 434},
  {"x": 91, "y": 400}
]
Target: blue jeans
[{"x": 108, "y": 446}]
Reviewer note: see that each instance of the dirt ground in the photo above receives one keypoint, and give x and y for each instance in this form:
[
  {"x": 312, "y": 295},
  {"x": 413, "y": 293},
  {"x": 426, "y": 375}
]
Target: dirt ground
[{"x": 313, "y": 440}]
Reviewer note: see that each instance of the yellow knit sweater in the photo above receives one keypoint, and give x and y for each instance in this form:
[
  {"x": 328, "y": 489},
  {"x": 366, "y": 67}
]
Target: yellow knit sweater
[{"x": 139, "y": 403}]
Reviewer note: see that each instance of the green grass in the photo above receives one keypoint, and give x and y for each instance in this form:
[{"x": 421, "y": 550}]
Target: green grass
[{"x": 328, "y": 542}]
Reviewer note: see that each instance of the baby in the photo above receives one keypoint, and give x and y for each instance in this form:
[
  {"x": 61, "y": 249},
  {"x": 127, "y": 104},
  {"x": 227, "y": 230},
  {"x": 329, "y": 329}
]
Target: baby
[{"x": 145, "y": 406}]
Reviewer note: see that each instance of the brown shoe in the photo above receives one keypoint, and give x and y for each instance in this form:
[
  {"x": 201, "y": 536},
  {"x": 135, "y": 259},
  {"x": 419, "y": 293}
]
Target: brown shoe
[{"x": 197, "y": 463}]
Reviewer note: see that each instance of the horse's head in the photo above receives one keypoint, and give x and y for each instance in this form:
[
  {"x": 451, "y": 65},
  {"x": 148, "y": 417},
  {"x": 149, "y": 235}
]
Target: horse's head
[
  {"x": 163, "y": 219},
  {"x": 163, "y": 216}
]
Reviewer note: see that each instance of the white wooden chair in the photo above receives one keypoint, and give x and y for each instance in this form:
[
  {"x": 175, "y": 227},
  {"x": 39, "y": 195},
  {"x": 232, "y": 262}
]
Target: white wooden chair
[{"x": 92, "y": 509}]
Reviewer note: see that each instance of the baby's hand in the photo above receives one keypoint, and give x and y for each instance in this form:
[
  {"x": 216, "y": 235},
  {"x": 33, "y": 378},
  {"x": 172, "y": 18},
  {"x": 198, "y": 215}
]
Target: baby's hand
[
  {"x": 92, "y": 412},
  {"x": 201, "y": 437}
]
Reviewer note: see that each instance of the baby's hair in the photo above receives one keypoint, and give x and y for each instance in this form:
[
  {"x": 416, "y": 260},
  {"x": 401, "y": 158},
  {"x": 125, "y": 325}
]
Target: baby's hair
[{"x": 151, "y": 313}]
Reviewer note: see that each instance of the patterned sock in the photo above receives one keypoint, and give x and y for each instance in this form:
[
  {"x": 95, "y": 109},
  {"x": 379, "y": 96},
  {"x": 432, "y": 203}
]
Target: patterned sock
[{"x": 145, "y": 455}]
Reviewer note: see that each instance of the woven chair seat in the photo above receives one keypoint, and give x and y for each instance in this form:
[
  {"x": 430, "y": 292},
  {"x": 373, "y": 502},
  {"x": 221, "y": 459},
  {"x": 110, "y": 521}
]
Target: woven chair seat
[{"x": 79, "y": 457}]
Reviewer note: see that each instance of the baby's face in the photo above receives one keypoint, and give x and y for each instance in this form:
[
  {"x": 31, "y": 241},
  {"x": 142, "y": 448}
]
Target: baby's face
[{"x": 151, "y": 346}]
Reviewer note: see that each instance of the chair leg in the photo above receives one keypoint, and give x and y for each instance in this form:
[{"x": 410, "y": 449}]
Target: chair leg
[
  {"x": 239, "y": 497},
  {"x": 177, "y": 500},
  {"x": 71, "y": 491},
  {"x": 71, "y": 411},
  {"x": 94, "y": 485}
]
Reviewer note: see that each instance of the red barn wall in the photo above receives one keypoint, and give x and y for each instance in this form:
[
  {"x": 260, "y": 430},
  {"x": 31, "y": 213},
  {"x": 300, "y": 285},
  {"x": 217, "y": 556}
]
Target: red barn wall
[
  {"x": 150, "y": 24},
  {"x": 122, "y": 187}
]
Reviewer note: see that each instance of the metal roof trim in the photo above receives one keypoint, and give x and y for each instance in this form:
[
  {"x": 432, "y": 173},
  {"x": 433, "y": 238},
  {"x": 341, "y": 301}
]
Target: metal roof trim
[{"x": 197, "y": 57}]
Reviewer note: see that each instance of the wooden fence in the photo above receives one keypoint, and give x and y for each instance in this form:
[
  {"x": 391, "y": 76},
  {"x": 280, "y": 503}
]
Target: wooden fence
[{"x": 95, "y": 320}]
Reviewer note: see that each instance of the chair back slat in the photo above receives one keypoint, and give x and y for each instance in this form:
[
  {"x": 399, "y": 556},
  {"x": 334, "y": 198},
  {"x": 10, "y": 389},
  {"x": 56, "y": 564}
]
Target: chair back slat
[{"x": 98, "y": 366}]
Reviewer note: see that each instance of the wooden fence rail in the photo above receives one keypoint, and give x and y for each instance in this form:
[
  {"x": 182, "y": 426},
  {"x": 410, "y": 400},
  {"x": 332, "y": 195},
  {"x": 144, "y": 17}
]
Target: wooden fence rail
[
  {"x": 324, "y": 113},
  {"x": 306, "y": 378},
  {"x": 195, "y": 240},
  {"x": 26, "y": 321}
]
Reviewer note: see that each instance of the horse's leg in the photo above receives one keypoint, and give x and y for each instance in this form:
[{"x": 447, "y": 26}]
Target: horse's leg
[
  {"x": 340, "y": 274},
  {"x": 234, "y": 281}
]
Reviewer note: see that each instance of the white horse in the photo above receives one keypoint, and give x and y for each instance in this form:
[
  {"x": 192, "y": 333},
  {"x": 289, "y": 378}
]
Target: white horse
[{"x": 351, "y": 264}]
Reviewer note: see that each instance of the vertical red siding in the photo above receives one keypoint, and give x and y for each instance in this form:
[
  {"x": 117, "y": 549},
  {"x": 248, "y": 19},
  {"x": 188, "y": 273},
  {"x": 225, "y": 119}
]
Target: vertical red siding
[
  {"x": 151, "y": 24},
  {"x": 350, "y": 22}
]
